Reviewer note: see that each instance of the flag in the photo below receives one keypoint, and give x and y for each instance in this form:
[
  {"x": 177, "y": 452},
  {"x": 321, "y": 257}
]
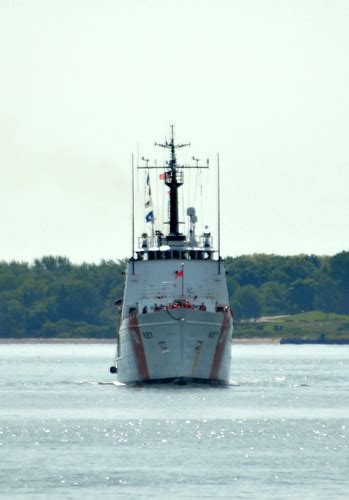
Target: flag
[
  {"x": 149, "y": 217},
  {"x": 148, "y": 205},
  {"x": 162, "y": 176},
  {"x": 179, "y": 273},
  {"x": 148, "y": 185}
]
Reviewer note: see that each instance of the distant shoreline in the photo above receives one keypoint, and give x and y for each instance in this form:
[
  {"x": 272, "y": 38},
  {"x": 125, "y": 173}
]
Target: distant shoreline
[{"x": 34, "y": 341}]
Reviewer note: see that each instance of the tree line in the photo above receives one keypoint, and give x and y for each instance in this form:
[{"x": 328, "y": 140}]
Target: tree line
[
  {"x": 276, "y": 285},
  {"x": 54, "y": 298}
]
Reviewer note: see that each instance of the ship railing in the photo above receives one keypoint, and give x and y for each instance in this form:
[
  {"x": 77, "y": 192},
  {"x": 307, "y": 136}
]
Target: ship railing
[
  {"x": 179, "y": 303},
  {"x": 174, "y": 304},
  {"x": 157, "y": 248},
  {"x": 202, "y": 304},
  {"x": 172, "y": 289},
  {"x": 206, "y": 241}
]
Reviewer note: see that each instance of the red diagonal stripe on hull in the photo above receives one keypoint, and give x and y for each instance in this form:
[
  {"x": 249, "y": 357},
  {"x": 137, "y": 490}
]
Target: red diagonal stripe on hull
[
  {"x": 139, "y": 348},
  {"x": 217, "y": 359}
]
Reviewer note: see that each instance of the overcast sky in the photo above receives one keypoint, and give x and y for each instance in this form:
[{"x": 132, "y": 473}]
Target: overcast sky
[{"x": 84, "y": 83}]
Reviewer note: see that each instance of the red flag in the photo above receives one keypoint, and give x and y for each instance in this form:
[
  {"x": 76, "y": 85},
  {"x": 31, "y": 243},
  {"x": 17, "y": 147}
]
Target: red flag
[
  {"x": 179, "y": 273},
  {"x": 162, "y": 176}
]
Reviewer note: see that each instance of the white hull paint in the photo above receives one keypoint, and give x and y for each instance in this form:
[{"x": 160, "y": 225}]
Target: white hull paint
[
  {"x": 176, "y": 323},
  {"x": 181, "y": 344}
]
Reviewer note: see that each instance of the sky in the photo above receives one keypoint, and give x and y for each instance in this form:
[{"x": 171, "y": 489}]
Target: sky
[{"x": 86, "y": 83}]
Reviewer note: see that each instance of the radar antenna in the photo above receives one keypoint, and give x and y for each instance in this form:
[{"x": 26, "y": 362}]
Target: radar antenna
[
  {"x": 173, "y": 178},
  {"x": 171, "y": 145}
]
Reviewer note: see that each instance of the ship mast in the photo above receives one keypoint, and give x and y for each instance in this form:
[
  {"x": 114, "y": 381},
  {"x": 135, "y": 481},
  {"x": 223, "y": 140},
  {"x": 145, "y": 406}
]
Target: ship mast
[{"x": 173, "y": 179}]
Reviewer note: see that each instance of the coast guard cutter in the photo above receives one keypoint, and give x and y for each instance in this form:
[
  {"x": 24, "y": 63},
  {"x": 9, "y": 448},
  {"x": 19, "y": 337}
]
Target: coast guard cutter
[{"x": 175, "y": 324}]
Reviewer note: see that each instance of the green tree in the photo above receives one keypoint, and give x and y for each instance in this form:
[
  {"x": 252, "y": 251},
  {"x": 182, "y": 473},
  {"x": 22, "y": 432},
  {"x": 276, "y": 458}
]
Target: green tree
[
  {"x": 12, "y": 319},
  {"x": 53, "y": 264},
  {"x": 339, "y": 271},
  {"x": 274, "y": 298},
  {"x": 76, "y": 300},
  {"x": 54, "y": 297},
  {"x": 301, "y": 295},
  {"x": 249, "y": 299},
  {"x": 7, "y": 281},
  {"x": 327, "y": 295}
]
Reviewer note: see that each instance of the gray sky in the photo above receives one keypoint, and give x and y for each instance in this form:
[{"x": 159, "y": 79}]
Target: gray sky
[{"x": 262, "y": 82}]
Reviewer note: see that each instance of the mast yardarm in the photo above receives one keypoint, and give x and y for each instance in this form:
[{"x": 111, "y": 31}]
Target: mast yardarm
[{"x": 173, "y": 179}]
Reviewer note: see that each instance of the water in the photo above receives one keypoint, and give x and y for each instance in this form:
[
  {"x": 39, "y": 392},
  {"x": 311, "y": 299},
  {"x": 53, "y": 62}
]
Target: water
[{"x": 280, "y": 430}]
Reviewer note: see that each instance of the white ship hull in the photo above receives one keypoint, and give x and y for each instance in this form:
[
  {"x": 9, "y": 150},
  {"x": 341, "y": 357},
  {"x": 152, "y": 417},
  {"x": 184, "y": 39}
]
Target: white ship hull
[
  {"x": 176, "y": 323},
  {"x": 181, "y": 344}
]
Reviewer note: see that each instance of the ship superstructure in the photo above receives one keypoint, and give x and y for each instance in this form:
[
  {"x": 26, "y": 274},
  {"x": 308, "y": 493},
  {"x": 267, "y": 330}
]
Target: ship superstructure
[{"x": 176, "y": 324}]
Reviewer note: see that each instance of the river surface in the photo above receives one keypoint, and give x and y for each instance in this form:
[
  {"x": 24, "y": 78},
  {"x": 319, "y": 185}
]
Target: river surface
[{"x": 279, "y": 431}]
